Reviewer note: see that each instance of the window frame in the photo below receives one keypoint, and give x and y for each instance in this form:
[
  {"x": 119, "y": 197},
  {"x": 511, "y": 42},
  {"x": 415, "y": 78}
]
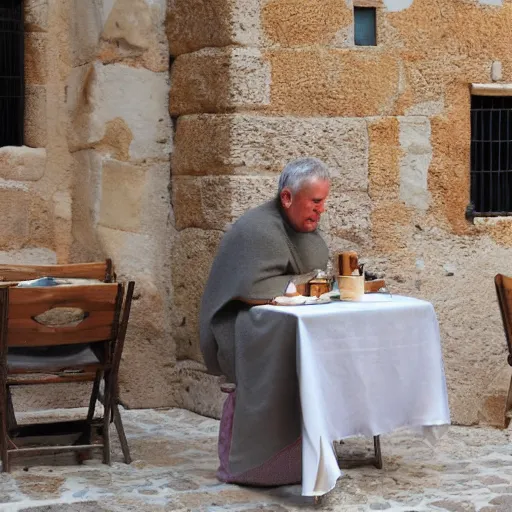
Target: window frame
[
  {"x": 366, "y": 6},
  {"x": 482, "y": 143}
]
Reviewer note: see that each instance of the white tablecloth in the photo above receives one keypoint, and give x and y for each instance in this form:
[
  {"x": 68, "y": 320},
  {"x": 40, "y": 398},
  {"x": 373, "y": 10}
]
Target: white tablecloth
[{"x": 364, "y": 368}]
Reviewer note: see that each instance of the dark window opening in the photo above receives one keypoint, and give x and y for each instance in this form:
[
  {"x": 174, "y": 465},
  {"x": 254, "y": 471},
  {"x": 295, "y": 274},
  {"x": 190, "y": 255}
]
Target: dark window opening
[
  {"x": 491, "y": 156},
  {"x": 365, "y": 26},
  {"x": 11, "y": 72}
]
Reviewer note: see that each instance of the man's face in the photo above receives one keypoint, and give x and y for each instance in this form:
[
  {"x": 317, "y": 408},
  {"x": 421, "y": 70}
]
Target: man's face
[{"x": 304, "y": 208}]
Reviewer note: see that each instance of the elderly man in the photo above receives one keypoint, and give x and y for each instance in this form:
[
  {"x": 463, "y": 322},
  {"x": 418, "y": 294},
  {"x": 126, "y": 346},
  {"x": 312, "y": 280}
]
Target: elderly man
[{"x": 259, "y": 441}]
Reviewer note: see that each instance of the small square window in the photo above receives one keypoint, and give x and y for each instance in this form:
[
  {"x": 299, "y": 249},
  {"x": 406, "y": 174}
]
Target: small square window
[{"x": 365, "y": 26}]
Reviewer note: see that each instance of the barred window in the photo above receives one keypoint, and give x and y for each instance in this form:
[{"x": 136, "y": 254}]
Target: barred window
[
  {"x": 11, "y": 72},
  {"x": 491, "y": 155}
]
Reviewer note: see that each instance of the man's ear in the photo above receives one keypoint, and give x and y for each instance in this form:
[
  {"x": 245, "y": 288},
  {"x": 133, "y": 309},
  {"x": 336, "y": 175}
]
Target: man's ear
[{"x": 286, "y": 198}]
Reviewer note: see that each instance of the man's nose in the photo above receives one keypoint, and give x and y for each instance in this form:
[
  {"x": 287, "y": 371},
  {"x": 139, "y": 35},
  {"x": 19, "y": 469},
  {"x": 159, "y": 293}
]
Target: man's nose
[{"x": 320, "y": 208}]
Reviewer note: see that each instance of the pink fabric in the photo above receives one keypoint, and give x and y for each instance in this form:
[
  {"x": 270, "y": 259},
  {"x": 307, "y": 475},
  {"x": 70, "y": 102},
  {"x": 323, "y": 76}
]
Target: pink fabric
[{"x": 284, "y": 468}]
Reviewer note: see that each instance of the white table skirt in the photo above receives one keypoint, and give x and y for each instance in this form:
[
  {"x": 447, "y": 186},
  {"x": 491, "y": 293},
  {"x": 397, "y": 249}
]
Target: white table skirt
[{"x": 364, "y": 368}]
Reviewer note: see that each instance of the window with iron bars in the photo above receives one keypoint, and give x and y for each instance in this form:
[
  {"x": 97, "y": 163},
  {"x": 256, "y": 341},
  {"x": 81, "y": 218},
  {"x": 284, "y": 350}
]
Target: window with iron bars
[
  {"x": 491, "y": 156},
  {"x": 11, "y": 72}
]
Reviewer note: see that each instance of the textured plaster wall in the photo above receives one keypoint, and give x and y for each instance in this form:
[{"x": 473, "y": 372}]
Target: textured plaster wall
[{"x": 255, "y": 84}]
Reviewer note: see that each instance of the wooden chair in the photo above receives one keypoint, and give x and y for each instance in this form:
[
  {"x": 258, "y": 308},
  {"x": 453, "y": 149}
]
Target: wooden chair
[
  {"x": 504, "y": 291},
  {"x": 99, "y": 333},
  {"x": 102, "y": 270}
]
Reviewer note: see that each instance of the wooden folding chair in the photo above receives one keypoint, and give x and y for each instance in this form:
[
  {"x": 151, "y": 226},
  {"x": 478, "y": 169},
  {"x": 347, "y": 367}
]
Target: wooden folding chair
[
  {"x": 97, "y": 333},
  {"x": 101, "y": 270},
  {"x": 504, "y": 291}
]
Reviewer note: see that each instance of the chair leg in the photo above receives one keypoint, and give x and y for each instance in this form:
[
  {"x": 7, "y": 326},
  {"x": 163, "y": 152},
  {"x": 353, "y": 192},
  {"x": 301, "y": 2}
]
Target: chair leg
[
  {"x": 4, "y": 433},
  {"x": 107, "y": 409},
  {"x": 94, "y": 396},
  {"x": 120, "y": 432},
  {"x": 11, "y": 417},
  {"x": 378, "y": 453}
]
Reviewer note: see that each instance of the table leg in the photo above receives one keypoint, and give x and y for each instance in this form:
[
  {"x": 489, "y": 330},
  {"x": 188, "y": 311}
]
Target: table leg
[
  {"x": 317, "y": 501},
  {"x": 378, "y": 454}
]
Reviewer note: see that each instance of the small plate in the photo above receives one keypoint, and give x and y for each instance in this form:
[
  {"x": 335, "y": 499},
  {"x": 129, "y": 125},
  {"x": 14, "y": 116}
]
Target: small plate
[{"x": 300, "y": 301}]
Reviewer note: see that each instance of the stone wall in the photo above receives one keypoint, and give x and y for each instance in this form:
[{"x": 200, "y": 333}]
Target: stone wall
[
  {"x": 256, "y": 83},
  {"x": 93, "y": 179}
]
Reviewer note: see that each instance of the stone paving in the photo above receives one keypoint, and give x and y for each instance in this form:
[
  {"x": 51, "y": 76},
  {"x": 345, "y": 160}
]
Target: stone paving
[{"x": 175, "y": 460}]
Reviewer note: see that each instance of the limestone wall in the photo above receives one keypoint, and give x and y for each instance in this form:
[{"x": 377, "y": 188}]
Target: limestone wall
[
  {"x": 256, "y": 83},
  {"x": 93, "y": 180}
]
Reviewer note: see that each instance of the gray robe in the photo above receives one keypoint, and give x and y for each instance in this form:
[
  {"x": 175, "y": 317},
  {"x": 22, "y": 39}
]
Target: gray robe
[{"x": 256, "y": 260}]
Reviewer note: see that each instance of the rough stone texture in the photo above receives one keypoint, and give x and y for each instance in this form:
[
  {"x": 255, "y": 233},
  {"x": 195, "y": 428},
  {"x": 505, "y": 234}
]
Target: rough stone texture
[
  {"x": 35, "y": 116},
  {"x": 134, "y": 33},
  {"x": 191, "y": 249},
  {"x": 87, "y": 25},
  {"x": 219, "y": 80},
  {"x": 415, "y": 162},
  {"x": 121, "y": 192},
  {"x": 22, "y": 163},
  {"x": 196, "y": 24},
  {"x": 175, "y": 460},
  {"x": 250, "y": 144},
  {"x": 104, "y": 93},
  {"x": 296, "y": 23},
  {"x": 36, "y": 15},
  {"x": 324, "y": 83},
  {"x": 215, "y": 202},
  {"x": 36, "y": 64}
]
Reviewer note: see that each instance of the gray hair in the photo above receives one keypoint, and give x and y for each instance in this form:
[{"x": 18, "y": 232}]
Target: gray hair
[{"x": 297, "y": 172}]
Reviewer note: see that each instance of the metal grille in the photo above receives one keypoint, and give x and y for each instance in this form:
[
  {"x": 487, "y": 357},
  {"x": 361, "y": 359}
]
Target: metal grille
[
  {"x": 11, "y": 72},
  {"x": 491, "y": 156}
]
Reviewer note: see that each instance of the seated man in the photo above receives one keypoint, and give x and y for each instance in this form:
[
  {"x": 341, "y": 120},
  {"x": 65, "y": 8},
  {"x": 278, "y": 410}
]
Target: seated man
[{"x": 259, "y": 441}]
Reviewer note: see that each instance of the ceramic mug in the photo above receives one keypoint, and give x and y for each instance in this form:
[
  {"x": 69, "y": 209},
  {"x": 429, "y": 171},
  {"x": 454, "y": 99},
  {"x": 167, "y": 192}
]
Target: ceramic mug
[{"x": 351, "y": 287}]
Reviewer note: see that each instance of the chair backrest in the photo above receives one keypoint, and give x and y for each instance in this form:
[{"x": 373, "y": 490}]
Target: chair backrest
[
  {"x": 504, "y": 292},
  {"x": 101, "y": 270},
  {"x": 98, "y": 307}
]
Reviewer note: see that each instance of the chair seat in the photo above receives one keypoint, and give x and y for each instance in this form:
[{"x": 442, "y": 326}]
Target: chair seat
[{"x": 41, "y": 358}]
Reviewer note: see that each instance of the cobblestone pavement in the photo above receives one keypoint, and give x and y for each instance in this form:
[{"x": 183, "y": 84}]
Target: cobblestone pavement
[{"x": 175, "y": 459}]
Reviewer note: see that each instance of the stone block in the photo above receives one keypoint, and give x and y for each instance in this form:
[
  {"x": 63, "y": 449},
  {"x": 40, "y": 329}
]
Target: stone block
[
  {"x": 415, "y": 162},
  {"x": 347, "y": 215},
  {"x": 14, "y": 218},
  {"x": 28, "y": 256},
  {"x": 121, "y": 194},
  {"x": 191, "y": 249},
  {"x": 384, "y": 157},
  {"x": 102, "y": 94},
  {"x": 41, "y": 219},
  {"x": 149, "y": 352},
  {"x": 156, "y": 203},
  {"x": 199, "y": 392},
  {"x": 35, "y": 116},
  {"x": 86, "y": 193},
  {"x": 87, "y": 20},
  {"x": 214, "y": 202},
  {"x": 21, "y": 163},
  {"x": 219, "y": 80},
  {"x": 136, "y": 30},
  {"x": 36, "y": 15},
  {"x": 250, "y": 144},
  {"x": 322, "y": 82},
  {"x": 129, "y": 21},
  {"x": 294, "y": 22},
  {"x": 196, "y": 24},
  {"x": 36, "y": 62}
]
